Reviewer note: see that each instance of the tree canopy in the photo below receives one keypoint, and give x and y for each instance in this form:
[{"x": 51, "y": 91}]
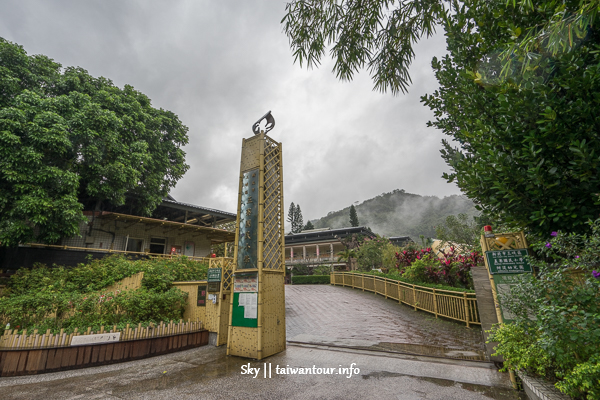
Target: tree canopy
[
  {"x": 518, "y": 92},
  {"x": 353, "y": 216},
  {"x": 67, "y": 138},
  {"x": 527, "y": 144}
]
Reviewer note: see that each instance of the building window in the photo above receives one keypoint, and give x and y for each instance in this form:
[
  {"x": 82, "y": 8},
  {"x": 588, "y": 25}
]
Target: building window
[
  {"x": 134, "y": 244},
  {"x": 157, "y": 245}
]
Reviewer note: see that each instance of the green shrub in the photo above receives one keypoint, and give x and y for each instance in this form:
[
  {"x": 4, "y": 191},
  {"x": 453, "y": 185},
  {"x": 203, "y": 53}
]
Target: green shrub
[
  {"x": 560, "y": 316},
  {"x": 68, "y": 298},
  {"x": 310, "y": 279},
  {"x": 396, "y": 275}
]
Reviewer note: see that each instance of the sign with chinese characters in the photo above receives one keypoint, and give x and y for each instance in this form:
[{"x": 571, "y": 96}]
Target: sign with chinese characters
[
  {"x": 94, "y": 339},
  {"x": 248, "y": 233},
  {"x": 245, "y": 284},
  {"x": 201, "y": 299},
  {"x": 213, "y": 275},
  {"x": 513, "y": 261}
]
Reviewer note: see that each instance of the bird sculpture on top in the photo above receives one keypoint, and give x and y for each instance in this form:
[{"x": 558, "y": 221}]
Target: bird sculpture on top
[{"x": 270, "y": 124}]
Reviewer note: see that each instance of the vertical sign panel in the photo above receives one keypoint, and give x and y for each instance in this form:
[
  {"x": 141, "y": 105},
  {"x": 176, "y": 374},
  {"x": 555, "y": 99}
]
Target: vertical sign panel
[{"x": 247, "y": 256}]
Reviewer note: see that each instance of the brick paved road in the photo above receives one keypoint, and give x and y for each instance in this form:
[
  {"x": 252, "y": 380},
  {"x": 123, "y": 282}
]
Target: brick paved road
[{"x": 346, "y": 316}]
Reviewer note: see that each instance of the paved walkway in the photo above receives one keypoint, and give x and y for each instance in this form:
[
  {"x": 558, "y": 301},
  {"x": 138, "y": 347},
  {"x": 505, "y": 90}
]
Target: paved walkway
[
  {"x": 340, "y": 317},
  {"x": 335, "y": 315}
]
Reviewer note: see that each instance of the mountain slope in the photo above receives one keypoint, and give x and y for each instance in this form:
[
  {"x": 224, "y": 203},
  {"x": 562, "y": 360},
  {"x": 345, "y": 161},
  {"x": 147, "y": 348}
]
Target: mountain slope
[{"x": 401, "y": 214}]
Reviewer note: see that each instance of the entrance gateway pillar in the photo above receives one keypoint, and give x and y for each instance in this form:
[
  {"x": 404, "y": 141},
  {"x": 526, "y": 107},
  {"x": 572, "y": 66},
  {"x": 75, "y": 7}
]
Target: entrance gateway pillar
[{"x": 257, "y": 317}]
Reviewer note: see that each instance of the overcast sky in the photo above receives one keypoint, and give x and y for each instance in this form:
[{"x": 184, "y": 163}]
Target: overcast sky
[{"x": 220, "y": 65}]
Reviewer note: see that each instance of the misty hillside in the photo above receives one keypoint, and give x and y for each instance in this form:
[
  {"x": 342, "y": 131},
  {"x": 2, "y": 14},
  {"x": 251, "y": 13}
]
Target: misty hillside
[{"x": 401, "y": 214}]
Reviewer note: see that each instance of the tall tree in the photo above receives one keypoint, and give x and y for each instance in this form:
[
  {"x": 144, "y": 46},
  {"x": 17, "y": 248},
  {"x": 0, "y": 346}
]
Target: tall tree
[
  {"x": 292, "y": 217},
  {"x": 353, "y": 216},
  {"x": 67, "y": 138},
  {"x": 299, "y": 221},
  {"x": 526, "y": 132},
  {"x": 527, "y": 146}
]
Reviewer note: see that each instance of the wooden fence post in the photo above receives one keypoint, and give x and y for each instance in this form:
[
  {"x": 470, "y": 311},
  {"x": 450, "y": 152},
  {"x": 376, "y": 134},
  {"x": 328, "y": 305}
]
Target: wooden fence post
[
  {"x": 435, "y": 311},
  {"x": 466, "y": 309},
  {"x": 414, "y": 297}
]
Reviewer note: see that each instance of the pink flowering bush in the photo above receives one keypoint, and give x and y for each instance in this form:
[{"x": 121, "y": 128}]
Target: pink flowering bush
[{"x": 451, "y": 268}]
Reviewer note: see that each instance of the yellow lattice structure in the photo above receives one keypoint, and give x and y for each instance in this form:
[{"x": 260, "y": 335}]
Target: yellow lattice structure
[{"x": 259, "y": 270}]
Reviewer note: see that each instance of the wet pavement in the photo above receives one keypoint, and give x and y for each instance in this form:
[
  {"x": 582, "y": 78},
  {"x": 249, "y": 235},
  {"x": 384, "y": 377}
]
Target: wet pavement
[
  {"x": 348, "y": 330},
  {"x": 341, "y": 316},
  {"x": 207, "y": 373}
]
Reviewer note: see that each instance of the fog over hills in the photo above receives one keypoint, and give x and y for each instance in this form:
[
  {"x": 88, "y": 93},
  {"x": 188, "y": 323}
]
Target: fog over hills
[{"x": 401, "y": 214}]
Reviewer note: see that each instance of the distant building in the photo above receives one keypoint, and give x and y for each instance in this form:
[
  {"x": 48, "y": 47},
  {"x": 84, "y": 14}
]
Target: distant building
[
  {"x": 400, "y": 241},
  {"x": 319, "y": 246},
  {"x": 174, "y": 228}
]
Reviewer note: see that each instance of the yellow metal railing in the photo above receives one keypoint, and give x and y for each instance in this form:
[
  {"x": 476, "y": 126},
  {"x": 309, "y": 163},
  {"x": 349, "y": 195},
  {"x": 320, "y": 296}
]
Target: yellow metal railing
[{"x": 460, "y": 306}]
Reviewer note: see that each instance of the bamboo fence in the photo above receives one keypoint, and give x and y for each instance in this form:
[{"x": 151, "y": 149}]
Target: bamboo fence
[
  {"x": 113, "y": 251},
  {"x": 460, "y": 306},
  {"x": 14, "y": 341}
]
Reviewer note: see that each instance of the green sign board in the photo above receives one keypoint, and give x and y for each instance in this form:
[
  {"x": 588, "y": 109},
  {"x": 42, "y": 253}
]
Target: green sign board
[
  {"x": 513, "y": 261},
  {"x": 214, "y": 275},
  {"x": 505, "y": 267}
]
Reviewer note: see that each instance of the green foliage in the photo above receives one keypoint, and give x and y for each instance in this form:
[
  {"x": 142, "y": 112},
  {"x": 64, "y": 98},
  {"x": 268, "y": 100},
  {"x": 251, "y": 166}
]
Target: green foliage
[
  {"x": 76, "y": 298},
  {"x": 322, "y": 270},
  {"x": 395, "y": 275},
  {"x": 295, "y": 218},
  {"x": 388, "y": 256},
  {"x": 369, "y": 254},
  {"x": 519, "y": 348},
  {"x": 310, "y": 279},
  {"x": 583, "y": 380},
  {"x": 561, "y": 313},
  {"x": 67, "y": 138},
  {"x": 460, "y": 232},
  {"x": 416, "y": 272},
  {"x": 298, "y": 220},
  {"x": 353, "y": 216},
  {"x": 375, "y": 35},
  {"x": 527, "y": 147},
  {"x": 308, "y": 226}
]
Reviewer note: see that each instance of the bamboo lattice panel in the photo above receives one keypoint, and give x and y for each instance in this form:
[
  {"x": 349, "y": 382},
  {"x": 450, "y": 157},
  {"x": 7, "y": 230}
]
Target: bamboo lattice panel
[
  {"x": 273, "y": 192},
  {"x": 504, "y": 241}
]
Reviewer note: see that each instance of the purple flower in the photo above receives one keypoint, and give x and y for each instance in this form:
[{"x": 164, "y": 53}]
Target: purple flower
[
  {"x": 554, "y": 234},
  {"x": 576, "y": 256},
  {"x": 596, "y": 274},
  {"x": 548, "y": 245}
]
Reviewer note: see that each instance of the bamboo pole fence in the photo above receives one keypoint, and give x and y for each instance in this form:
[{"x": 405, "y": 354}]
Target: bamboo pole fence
[
  {"x": 111, "y": 251},
  {"x": 456, "y": 305},
  {"x": 11, "y": 340}
]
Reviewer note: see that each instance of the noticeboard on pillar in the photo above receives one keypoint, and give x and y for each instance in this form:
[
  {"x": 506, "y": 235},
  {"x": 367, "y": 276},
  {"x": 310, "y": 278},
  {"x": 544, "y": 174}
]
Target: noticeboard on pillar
[{"x": 245, "y": 301}]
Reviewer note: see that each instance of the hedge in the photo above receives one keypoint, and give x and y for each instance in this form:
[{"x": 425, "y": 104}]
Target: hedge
[{"x": 310, "y": 279}]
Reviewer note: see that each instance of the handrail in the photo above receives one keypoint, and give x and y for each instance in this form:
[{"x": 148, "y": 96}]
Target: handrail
[
  {"x": 110, "y": 251},
  {"x": 460, "y": 306}
]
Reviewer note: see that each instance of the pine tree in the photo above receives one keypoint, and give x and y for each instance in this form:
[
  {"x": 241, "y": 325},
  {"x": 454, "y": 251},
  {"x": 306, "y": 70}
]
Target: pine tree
[
  {"x": 308, "y": 226},
  {"x": 353, "y": 216},
  {"x": 299, "y": 222},
  {"x": 291, "y": 217}
]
